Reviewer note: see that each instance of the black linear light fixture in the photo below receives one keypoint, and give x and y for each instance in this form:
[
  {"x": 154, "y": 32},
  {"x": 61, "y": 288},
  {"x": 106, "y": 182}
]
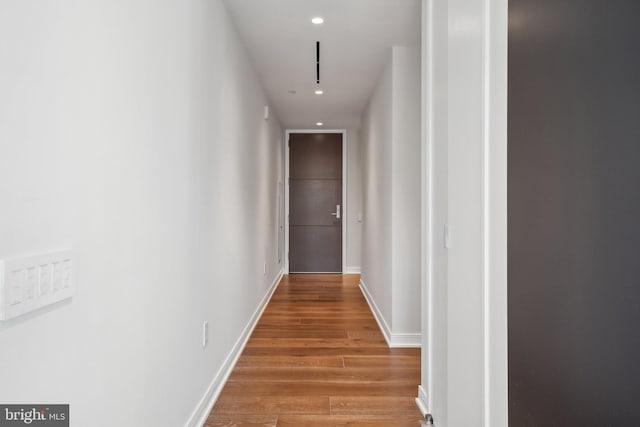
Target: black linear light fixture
[{"x": 317, "y": 62}]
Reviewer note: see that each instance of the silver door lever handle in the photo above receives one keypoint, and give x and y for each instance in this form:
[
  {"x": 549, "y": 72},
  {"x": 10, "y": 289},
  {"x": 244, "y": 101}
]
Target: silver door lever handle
[{"x": 337, "y": 212}]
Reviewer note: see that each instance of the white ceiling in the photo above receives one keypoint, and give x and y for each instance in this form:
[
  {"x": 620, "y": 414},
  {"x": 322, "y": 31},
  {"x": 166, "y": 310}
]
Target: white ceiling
[{"x": 355, "y": 38}]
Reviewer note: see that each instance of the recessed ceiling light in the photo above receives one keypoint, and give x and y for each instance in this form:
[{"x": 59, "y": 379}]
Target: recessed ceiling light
[
  {"x": 319, "y": 124},
  {"x": 317, "y": 20},
  {"x": 319, "y": 92}
]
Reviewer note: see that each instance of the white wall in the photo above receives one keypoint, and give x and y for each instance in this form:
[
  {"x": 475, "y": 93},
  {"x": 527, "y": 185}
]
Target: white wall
[
  {"x": 354, "y": 202},
  {"x": 464, "y": 298},
  {"x": 132, "y": 131},
  {"x": 391, "y": 194},
  {"x": 405, "y": 200},
  {"x": 376, "y": 137}
]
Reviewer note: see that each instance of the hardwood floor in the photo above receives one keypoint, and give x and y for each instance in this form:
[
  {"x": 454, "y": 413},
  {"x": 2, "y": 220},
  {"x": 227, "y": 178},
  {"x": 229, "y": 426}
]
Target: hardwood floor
[{"x": 317, "y": 358}]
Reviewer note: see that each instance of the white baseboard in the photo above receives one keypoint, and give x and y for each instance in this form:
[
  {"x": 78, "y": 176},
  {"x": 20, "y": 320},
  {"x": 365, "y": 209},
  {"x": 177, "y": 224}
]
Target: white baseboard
[
  {"x": 394, "y": 340},
  {"x": 382, "y": 324},
  {"x": 421, "y": 401},
  {"x": 351, "y": 270},
  {"x": 200, "y": 414},
  {"x": 406, "y": 340}
]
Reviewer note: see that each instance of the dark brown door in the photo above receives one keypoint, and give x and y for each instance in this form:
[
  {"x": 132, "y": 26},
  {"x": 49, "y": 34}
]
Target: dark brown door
[{"x": 315, "y": 203}]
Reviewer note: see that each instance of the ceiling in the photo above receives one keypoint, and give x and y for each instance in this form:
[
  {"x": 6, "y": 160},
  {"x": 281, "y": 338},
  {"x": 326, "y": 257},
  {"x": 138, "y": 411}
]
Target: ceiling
[{"x": 355, "y": 38}]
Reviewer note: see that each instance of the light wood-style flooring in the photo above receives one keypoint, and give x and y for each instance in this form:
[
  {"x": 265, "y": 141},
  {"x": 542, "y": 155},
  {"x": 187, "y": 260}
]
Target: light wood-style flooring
[{"x": 317, "y": 358}]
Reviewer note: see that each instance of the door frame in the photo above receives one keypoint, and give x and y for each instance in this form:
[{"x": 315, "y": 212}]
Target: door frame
[
  {"x": 288, "y": 132},
  {"x": 461, "y": 314}
]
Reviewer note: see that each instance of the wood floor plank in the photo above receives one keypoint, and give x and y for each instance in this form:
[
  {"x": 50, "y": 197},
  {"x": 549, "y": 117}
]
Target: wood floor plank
[
  {"x": 317, "y": 405},
  {"x": 373, "y": 405},
  {"x": 380, "y": 375},
  {"x": 313, "y": 343},
  {"x": 365, "y": 323},
  {"x": 347, "y": 421},
  {"x": 317, "y": 358},
  {"x": 326, "y": 351},
  {"x": 381, "y": 361},
  {"x": 290, "y": 362},
  {"x": 239, "y": 420},
  {"x": 329, "y": 388},
  {"x": 364, "y": 334},
  {"x": 299, "y": 333},
  {"x": 266, "y": 321}
]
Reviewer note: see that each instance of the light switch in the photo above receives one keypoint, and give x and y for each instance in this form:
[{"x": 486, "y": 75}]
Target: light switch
[
  {"x": 66, "y": 274},
  {"x": 45, "y": 279},
  {"x": 30, "y": 283},
  {"x": 448, "y": 236},
  {"x": 15, "y": 287},
  {"x": 205, "y": 334},
  {"x": 57, "y": 276}
]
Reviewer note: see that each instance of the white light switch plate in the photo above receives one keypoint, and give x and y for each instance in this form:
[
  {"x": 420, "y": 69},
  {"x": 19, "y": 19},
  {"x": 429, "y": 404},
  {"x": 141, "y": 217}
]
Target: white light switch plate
[
  {"x": 448, "y": 236},
  {"x": 205, "y": 334},
  {"x": 30, "y": 283}
]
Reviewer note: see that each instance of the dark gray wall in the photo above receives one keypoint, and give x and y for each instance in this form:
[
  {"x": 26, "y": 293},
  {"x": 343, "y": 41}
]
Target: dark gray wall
[{"x": 574, "y": 213}]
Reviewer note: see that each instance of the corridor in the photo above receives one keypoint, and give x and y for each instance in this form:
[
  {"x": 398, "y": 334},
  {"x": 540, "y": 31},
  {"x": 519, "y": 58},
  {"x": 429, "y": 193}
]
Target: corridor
[{"x": 317, "y": 358}]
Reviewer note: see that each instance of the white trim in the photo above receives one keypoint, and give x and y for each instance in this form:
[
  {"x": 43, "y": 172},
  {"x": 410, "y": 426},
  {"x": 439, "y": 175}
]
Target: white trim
[
  {"x": 406, "y": 340},
  {"x": 352, "y": 270},
  {"x": 496, "y": 263},
  {"x": 421, "y": 401},
  {"x": 394, "y": 340},
  {"x": 286, "y": 201},
  {"x": 345, "y": 177},
  {"x": 427, "y": 121},
  {"x": 382, "y": 324},
  {"x": 201, "y": 412},
  {"x": 486, "y": 195},
  {"x": 427, "y": 204},
  {"x": 492, "y": 37},
  {"x": 344, "y": 191}
]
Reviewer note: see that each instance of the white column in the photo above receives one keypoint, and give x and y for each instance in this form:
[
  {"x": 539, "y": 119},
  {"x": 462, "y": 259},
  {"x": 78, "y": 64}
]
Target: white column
[{"x": 464, "y": 286}]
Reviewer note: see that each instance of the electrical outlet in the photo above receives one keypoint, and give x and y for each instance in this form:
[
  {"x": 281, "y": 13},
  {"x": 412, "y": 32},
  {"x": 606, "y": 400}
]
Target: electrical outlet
[
  {"x": 205, "y": 334},
  {"x": 264, "y": 270}
]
